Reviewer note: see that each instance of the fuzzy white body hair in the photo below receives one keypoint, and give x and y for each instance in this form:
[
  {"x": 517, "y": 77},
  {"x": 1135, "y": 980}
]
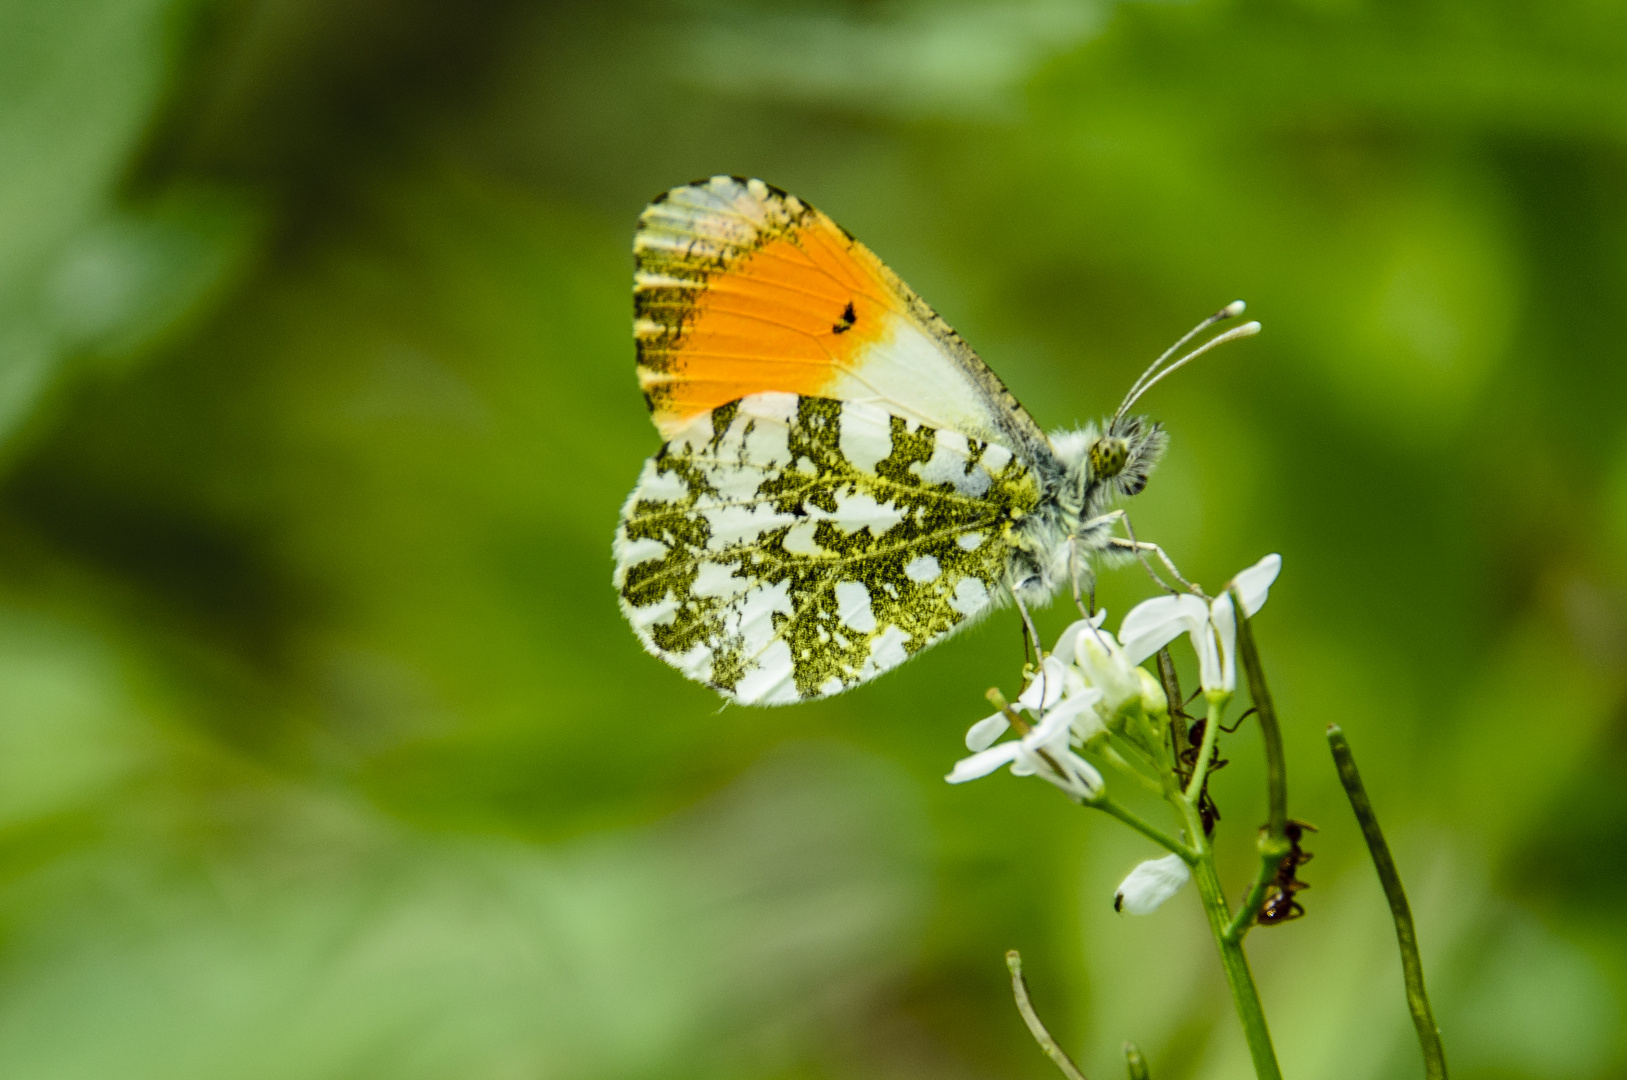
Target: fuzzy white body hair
[{"x": 1066, "y": 537}]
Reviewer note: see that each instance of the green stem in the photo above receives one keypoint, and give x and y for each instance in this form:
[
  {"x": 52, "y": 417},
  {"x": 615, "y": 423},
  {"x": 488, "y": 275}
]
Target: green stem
[
  {"x": 1412, "y": 966},
  {"x": 1271, "y": 856},
  {"x": 1238, "y": 977},
  {"x": 1119, "y": 762},
  {"x": 1135, "y": 1064},
  {"x": 1245, "y": 997},
  {"x": 1036, "y": 1027},
  {"x": 1146, "y": 828},
  {"x": 1273, "y": 845},
  {"x": 1276, "y": 768},
  {"x": 1211, "y": 732},
  {"x": 1172, "y": 694}
]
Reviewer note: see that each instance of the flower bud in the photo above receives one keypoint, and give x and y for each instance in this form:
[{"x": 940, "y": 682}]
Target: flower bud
[
  {"x": 1150, "y": 884},
  {"x": 1153, "y": 698}
]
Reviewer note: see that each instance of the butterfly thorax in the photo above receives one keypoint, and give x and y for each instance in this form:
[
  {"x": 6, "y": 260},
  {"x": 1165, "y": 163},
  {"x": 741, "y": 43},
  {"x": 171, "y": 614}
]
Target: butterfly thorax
[{"x": 1091, "y": 470}]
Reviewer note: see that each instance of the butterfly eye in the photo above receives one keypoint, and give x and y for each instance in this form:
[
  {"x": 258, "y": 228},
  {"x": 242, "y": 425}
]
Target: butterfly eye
[{"x": 1108, "y": 456}]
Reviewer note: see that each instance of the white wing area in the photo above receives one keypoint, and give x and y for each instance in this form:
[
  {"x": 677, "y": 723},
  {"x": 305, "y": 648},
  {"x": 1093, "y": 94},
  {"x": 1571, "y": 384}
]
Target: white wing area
[
  {"x": 908, "y": 373},
  {"x": 784, "y": 548}
]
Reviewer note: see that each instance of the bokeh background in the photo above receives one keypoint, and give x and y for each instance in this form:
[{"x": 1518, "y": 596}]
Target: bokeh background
[{"x": 325, "y": 753}]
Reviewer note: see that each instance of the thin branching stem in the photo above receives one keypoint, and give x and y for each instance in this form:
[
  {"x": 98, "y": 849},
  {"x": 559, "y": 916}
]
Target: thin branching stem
[
  {"x": 1134, "y": 1063},
  {"x": 1246, "y": 915},
  {"x": 1276, "y": 768},
  {"x": 1273, "y": 844},
  {"x": 1211, "y": 732},
  {"x": 1245, "y": 997},
  {"x": 1412, "y": 967},
  {"x": 1019, "y": 990},
  {"x": 1105, "y": 803},
  {"x": 1240, "y": 980},
  {"x": 1119, "y": 762}
]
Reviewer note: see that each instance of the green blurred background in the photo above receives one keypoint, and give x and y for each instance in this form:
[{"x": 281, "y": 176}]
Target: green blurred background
[{"x": 325, "y": 753}]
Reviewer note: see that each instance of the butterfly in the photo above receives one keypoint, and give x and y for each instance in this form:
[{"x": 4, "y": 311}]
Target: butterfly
[{"x": 843, "y": 482}]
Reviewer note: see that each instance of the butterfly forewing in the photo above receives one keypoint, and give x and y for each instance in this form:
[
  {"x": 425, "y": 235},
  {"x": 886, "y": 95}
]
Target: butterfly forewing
[
  {"x": 740, "y": 288},
  {"x": 785, "y": 547}
]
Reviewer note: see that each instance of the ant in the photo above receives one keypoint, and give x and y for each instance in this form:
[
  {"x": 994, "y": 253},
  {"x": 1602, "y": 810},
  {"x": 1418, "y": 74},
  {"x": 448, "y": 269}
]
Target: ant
[
  {"x": 1208, "y": 812},
  {"x": 1280, "y": 906}
]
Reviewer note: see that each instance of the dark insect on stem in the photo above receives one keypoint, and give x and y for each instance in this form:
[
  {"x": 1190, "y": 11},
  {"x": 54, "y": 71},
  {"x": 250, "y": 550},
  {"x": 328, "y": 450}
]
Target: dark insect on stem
[
  {"x": 1208, "y": 812},
  {"x": 1280, "y": 906}
]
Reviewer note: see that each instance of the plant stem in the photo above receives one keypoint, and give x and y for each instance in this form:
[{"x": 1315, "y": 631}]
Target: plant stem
[
  {"x": 1276, "y": 769},
  {"x": 1245, "y": 997},
  {"x": 1141, "y": 825},
  {"x": 1211, "y": 733},
  {"x": 1412, "y": 967},
  {"x": 1172, "y": 694},
  {"x": 1119, "y": 762},
  {"x": 1135, "y": 1064},
  {"x": 1273, "y": 845},
  {"x": 1271, "y": 856},
  {"x": 1238, "y": 977},
  {"x": 1036, "y": 1028}
]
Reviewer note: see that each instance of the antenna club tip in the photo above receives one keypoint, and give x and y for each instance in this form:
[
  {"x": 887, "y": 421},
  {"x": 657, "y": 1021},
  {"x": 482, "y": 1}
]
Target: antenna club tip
[
  {"x": 1234, "y": 309},
  {"x": 1248, "y": 329}
]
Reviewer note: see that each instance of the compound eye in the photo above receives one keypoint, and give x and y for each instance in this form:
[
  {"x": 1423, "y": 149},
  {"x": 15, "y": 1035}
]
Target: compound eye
[{"x": 1108, "y": 456}]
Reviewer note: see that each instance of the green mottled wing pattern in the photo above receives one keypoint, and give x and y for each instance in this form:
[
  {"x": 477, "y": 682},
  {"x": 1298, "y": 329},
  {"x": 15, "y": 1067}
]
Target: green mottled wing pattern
[{"x": 782, "y": 548}]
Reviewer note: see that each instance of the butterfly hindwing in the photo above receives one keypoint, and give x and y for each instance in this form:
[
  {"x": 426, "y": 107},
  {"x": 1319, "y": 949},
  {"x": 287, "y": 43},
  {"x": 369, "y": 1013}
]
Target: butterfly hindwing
[
  {"x": 740, "y": 288},
  {"x": 785, "y": 547}
]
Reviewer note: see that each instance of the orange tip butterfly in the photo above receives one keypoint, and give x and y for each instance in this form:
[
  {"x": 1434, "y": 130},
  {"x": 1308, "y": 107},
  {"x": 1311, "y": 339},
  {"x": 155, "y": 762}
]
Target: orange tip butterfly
[{"x": 843, "y": 482}]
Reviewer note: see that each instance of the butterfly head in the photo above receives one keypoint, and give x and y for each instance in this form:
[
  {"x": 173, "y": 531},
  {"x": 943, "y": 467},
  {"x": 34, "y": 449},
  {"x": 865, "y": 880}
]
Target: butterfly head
[
  {"x": 1108, "y": 455},
  {"x": 1121, "y": 458},
  {"x": 1103, "y": 464},
  {"x": 1122, "y": 454}
]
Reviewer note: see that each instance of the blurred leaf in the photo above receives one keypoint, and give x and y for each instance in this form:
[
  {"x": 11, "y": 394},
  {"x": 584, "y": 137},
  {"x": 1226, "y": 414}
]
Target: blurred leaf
[
  {"x": 320, "y": 941},
  {"x": 79, "y": 82}
]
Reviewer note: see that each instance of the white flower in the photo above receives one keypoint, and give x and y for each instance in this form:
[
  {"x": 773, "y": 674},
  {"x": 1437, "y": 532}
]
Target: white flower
[
  {"x": 1212, "y": 627},
  {"x": 1150, "y": 884},
  {"x": 1057, "y": 688},
  {"x": 1044, "y": 750},
  {"x": 1103, "y": 664}
]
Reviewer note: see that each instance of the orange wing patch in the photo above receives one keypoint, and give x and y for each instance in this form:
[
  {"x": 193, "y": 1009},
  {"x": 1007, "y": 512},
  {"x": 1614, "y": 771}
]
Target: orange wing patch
[{"x": 741, "y": 288}]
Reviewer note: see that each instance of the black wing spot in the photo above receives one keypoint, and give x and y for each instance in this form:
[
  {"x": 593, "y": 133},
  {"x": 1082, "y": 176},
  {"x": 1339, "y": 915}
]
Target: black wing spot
[{"x": 849, "y": 317}]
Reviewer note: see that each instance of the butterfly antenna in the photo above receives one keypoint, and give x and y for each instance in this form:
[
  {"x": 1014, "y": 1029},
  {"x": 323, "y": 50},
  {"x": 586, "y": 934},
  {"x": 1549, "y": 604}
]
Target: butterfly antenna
[
  {"x": 1230, "y": 311},
  {"x": 1248, "y": 329}
]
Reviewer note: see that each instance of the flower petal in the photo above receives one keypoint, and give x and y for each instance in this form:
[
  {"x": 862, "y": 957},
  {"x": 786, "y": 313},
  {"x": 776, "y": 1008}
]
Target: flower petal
[
  {"x": 1154, "y": 623},
  {"x": 981, "y": 764},
  {"x": 1211, "y": 668},
  {"x": 1086, "y": 780},
  {"x": 982, "y": 735},
  {"x": 1068, "y": 642},
  {"x": 1080, "y": 701},
  {"x": 1150, "y": 884},
  {"x": 1254, "y": 584},
  {"x": 1045, "y": 689},
  {"x": 1055, "y": 724},
  {"x": 1224, "y": 618},
  {"x": 1077, "y": 777}
]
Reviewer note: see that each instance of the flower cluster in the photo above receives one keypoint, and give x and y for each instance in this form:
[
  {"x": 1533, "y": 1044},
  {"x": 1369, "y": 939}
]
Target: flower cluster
[
  {"x": 1062, "y": 705},
  {"x": 1092, "y": 687}
]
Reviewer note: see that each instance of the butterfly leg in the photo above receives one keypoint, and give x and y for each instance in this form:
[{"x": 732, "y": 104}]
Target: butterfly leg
[
  {"x": 1073, "y": 574},
  {"x": 1028, "y": 622},
  {"x": 1140, "y": 548}
]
